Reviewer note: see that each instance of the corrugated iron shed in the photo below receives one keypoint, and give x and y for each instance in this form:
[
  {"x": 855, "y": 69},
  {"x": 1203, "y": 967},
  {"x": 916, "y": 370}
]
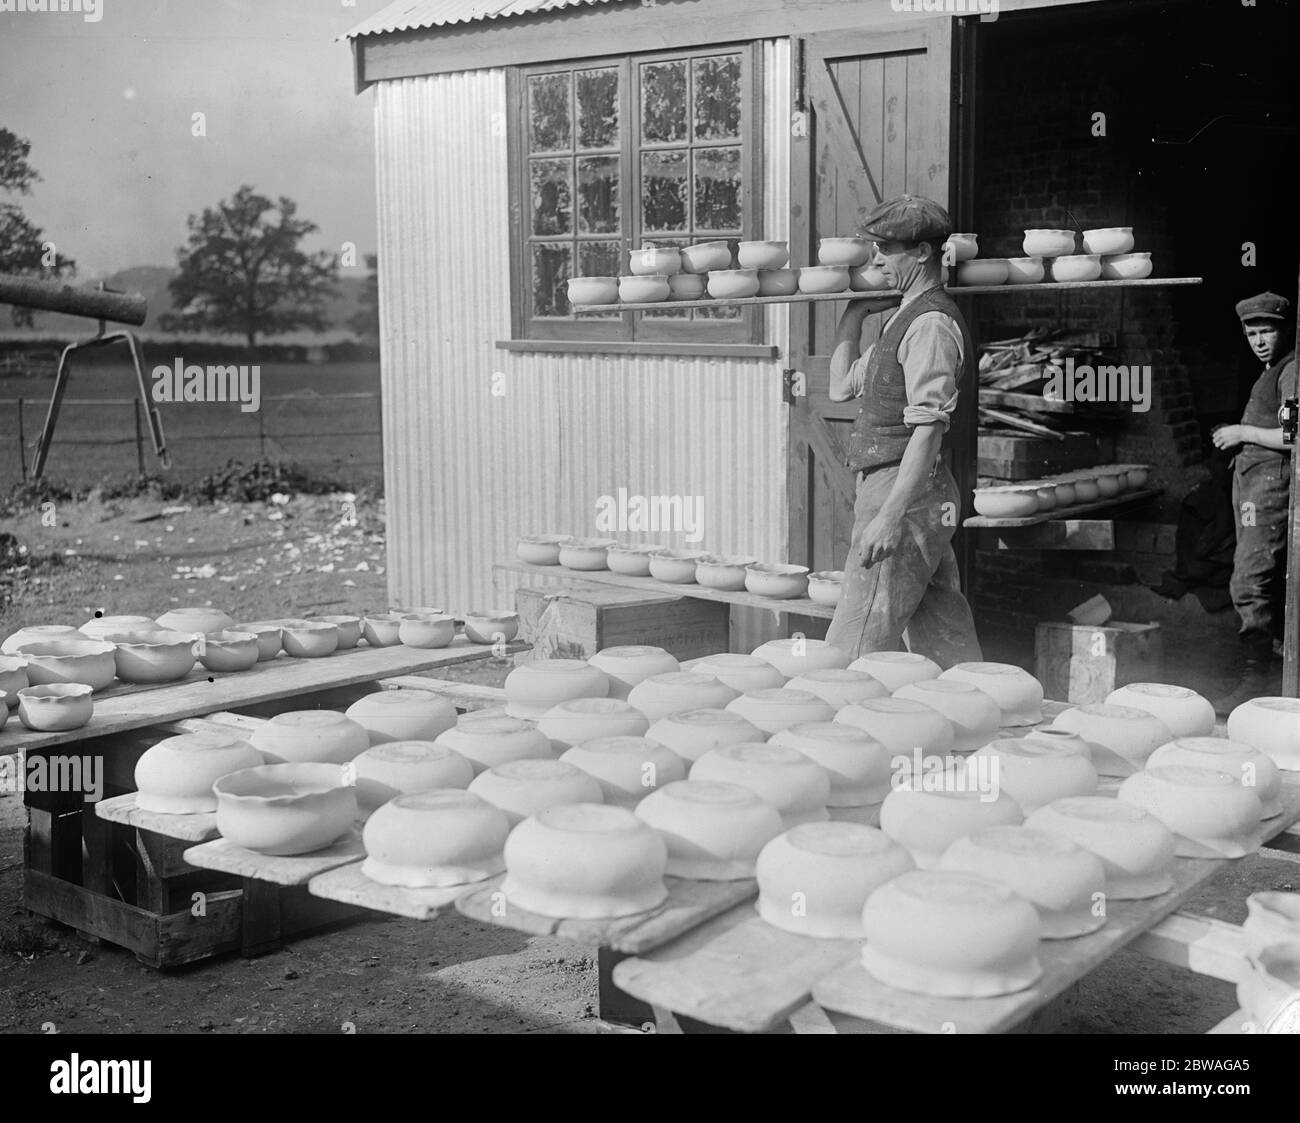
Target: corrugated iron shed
[{"x": 421, "y": 15}]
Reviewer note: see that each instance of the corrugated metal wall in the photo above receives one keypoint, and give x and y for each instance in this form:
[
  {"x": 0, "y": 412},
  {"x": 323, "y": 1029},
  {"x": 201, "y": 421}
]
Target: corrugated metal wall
[{"x": 482, "y": 445}]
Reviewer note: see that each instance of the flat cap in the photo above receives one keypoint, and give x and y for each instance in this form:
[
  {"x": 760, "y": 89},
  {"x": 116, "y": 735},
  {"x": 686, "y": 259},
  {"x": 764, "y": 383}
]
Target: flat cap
[
  {"x": 909, "y": 218},
  {"x": 1265, "y": 306}
]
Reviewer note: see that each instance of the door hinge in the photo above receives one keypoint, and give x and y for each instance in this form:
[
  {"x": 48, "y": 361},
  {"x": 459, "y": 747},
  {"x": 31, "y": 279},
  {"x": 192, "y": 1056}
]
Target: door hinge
[{"x": 792, "y": 386}]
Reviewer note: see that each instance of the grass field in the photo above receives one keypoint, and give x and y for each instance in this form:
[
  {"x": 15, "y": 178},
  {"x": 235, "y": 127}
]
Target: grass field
[{"x": 95, "y": 437}]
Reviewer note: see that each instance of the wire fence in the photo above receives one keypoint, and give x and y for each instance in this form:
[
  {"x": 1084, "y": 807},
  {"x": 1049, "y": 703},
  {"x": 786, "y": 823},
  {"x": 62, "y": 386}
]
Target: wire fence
[{"x": 97, "y": 438}]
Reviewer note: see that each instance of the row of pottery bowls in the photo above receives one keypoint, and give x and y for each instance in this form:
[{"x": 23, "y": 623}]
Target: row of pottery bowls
[
  {"x": 1017, "y": 501},
  {"x": 725, "y": 572},
  {"x": 1106, "y": 256}
]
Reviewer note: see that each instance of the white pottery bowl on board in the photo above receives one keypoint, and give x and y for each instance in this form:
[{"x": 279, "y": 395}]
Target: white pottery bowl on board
[
  {"x": 627, "y": 665},
  {"x": 1108, "y": 240},
  {"x": 1126, "y": 266},
  {"x": 103, "y": 625},
  {"x": 56, "y": 707},
  {"x": 631, "y": 561},
  {"x": 627, "y": 768},
  {"x": 593, "y": 290},
  {"x": 84, "y": 660},
  {"x": 762, "y": 255},
  {"x": 845, "y": 252},
  {"x": 402, "y": 715},
  {"x": 486, "y": 740},
  {"x": 893, "y": 669},
  {"x": 704, "y": 257},
  {"x": 195, "y": 619},
  {"x": 692, "y": 733},
  {"x": 394, "y": 768},
  {"x": 1048, "y": 243},
  {"x": 1271, "y": 725},
  {"x": 839, "y": 686},
  {"x": 269, "y": 638},
  {"x": 229, "y": 651},
  {"x": 540, "y": 549},
  {"x": 1025, "y": 270},
  {"x": 817, "y": 279},
  {"x": 722, "y": 571},
  {"x": 310, "y": 737},
  {"x": 434, "y": 839},
  {"x": 795, "y": 785},
  {"x": 176, "y": 775},
  {"x": 156, "y": 656},
  {"x": 34, "y": 632},
  {"x": 1211, "y": 813},
  {"x": 308, "y": 639},
  {"x": 713, "y": 831},
  {"x": 284, "y": 809},
  {"x": 585, "y": 553}
]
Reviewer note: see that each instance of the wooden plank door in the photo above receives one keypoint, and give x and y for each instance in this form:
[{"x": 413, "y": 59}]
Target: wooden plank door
[{"x": 874, "y": 124}]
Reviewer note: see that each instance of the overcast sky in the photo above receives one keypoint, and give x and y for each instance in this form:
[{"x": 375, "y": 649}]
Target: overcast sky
[{"x": 108, "y": 107}]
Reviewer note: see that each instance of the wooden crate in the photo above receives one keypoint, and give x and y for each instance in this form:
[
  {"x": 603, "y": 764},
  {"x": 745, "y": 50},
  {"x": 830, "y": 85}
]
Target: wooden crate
[
  {"x": 576, "y": 622},
  {"x": 1083, "y": 663},
  {"x": 1004, "y": 456}
]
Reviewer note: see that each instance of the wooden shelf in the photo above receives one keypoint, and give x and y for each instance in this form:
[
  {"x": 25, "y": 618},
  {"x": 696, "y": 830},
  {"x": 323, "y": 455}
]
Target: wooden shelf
[
  {"x": 816, "y": 298},
  {"x": 1061, "y": 513}
]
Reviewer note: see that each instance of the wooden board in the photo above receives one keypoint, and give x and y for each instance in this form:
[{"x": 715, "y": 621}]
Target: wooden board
[
  {"x": 736, "y": 971},
  {"x": 689, "y": 904},
  {"x": 1059, "y": 534},
  {"x": 851, "y": 990},
  {"x": 223, "y": 855},
  {"x": 1063, "y": 512},
  {"x": 189, "y": 828},
  {"x": 796, "y": 607},
  {"x": 118, "y": 709},
  {"x": 352, "y": 887},
  {"x": 814, "y": 298}
]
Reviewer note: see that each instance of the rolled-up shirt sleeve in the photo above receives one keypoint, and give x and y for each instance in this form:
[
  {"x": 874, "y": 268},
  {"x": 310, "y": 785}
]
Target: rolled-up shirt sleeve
[{"x": 931, "y": 353}]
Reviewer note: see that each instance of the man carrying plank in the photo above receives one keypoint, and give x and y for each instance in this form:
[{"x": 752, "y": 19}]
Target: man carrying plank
[{"x": 906, "y": 360}]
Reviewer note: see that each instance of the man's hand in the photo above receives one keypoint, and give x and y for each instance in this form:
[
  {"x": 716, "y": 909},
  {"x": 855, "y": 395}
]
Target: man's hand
[
  {"x": 1229, "y": 436},
  {"x": 880, "y": 538}
]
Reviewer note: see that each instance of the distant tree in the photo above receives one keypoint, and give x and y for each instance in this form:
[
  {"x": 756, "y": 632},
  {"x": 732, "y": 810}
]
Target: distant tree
[
  {"x": 23, "y": 248},
  {"x": 365, "y": 320},
  {"x": 243, "y": 270}
]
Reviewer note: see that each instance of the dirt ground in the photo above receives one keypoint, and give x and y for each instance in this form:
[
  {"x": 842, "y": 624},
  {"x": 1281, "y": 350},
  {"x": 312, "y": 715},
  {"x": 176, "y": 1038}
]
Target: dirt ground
[{"x": 321, "y": 555}]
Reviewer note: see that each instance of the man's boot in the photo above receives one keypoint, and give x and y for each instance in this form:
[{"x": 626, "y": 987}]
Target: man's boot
[{"x": 1259, "y": 678}]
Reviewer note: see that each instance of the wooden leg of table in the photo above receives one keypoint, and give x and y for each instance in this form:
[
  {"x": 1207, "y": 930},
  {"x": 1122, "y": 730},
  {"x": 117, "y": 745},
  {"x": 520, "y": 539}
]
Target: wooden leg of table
[
  {"x": 150, "y": 888},
  {"x": 261, "y": 917},
  {"x": 617, "y": 1006},
  {"x": 96, "y": 859}
]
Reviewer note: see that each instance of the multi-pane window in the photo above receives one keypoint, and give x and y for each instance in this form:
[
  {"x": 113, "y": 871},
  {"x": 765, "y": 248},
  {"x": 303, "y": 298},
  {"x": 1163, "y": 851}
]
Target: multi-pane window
[{"x": 616, "y": 154}]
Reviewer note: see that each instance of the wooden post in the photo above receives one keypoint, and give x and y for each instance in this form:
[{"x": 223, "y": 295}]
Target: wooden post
[
  {"x": 1291, "y": 608},
  {"x": 22, "y": 442}
]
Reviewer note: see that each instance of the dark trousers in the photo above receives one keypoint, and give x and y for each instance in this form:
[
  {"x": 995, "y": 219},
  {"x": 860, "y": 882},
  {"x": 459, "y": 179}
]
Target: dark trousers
[{"x": 1260, "y": 495}]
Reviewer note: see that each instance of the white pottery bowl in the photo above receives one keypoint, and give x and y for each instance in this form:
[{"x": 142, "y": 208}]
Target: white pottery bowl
[
  {"x": 229, "y": 651},
  {"x": 1076, "y": 267},
  {"x": 1121, "y": 737},
  {"x": 627, "y": 768},
  {"x": 585, "y": 553},
  {"x": 677, "y": 691},
  {"x": 36, "y": 632},
  {"x": 434, "y": 839},
  {"x": 176, "y": 775},
  {"x": 1066, "y": 496},
  {"x": 845, "y": 251},
  {"x": 1065, "y": 738},
  {"x": 722, "y": 571},
  {"x": 1025, "y": 270},
  {"x": 687, "y": 286},
  {"x": 84, "y": 660},
  {"x": 1014, "y": 689},
  {"x": 402, "y": 715},
  {"x": 1006, "y": 502},
  {"x": 1272, "y": 725},
  {"x": 1126, "y": 266},
  {"x": 961, "y": 247},
  {"x": 825, "y": 586},
  {"x": 742, "y": 673},
  {"x": 540, "y": 549},
  {"x": 839, "y": 686},
  {"x": 693, "y": 733},
  {"x": 974, "y": 715},
  {"x": 1035, "y": 774},
  {"x": 775, "y": 709},
  {"x": 1108, "y": 240},
  {"x": 194, "y": 619},
  {"x": 902, "y": 725},
  {"x": 383, "y": 629},
  {"x": 651, "y": 260},
  {"x": 815, "y": 879},
  {"x": 633, "y": 561},
  {"x": 704, "y": 257},
  {"x": 13, "y": 677},
  {"x": 55, "y": 707},
  {"x": 732, "y": 284},
  {"x": 648, "y": 289},
  {"x": 310, "y": 737},
  {"x": 792, "y": 783},
  {"x": 1185, "y": 712},
  {"x": 585, "y": 861},
  {"x": 425, "y": 631},
  {"x": 486, "y": 740},
  {"x": 778, "y": 282},
  {"x": 1046, "y": 497},
  {"x": 1272, "y": 917},
  {"x": 593, "y": 290},
  {"x": 1136, "y": 849},
  {"x": 762, "y": 255},
  {"x": 857, "y": 764},
  {"x": 1048, "y": 243},
  {"x": 628, "y": 665},
  {"x": 588, "y": 719},
  {"x": 893, "y": 669},
  {"x": 156, "y": 656},
  {"x": 1211, "y": 814},
  {"x": 713, "y": 831},
  {"x": 983, "y": 271},
  {"x": 487, "y": 627},
  {"x": 524, "y": 787},
  {"x": 104, "y": 625},
  {"x": 1267, "y": 991},
  {"x": 533, "y": 688},
  {"x": 1064, "y": 882},
  {"x": 348, "y": 627},
  {"x": 797, "y": 656},
  {"x": 675, "y": 566},
  {"x": 394, "y": 768},
  {"x": 952, "y": 935},
  {"x": 308, "y": 639},
  {"x": 927, "y": 822},
  {"x": 284, "y": 809},
  {"x": 1250, "y": 767},
  {"x": 814, "y": 279},
  {"x": 867, "y": 278}
]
